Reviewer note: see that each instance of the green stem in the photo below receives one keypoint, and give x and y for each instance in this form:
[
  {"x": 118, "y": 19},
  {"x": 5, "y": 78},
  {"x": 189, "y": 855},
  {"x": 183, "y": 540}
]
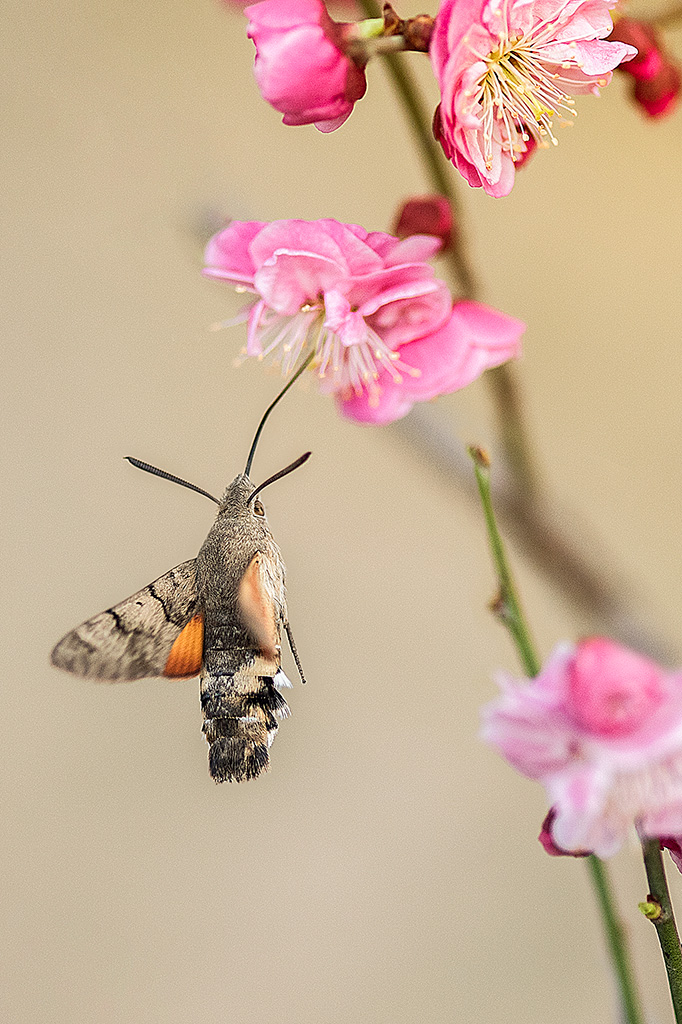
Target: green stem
[
  {"x": 508, "y": 608},
  {"x": 615, "y": 937},
  {"x": 664, "y": 922}
]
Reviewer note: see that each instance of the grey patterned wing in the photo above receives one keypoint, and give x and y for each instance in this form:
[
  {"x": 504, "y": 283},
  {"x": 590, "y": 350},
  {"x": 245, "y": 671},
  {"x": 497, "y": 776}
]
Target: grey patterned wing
[{"x": 133, "y": 639}]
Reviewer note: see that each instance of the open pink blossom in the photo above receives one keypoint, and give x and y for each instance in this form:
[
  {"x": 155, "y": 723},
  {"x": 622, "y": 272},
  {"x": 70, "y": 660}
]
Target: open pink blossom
[
  {"x": 601, "y": 728},
  {"x": 506, "y": 68},
  {"x": 380, "y": 324},
  {"x": 301, "y": 67}
]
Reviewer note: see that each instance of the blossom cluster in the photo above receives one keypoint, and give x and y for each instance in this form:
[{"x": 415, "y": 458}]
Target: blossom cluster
[
  {"x": 505, "y": 68},
  {"x": 601, "y": 728}
]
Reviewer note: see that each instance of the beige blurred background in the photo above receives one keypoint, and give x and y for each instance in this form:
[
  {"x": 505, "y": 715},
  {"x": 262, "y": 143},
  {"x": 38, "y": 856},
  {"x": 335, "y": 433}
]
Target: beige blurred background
[{"x": 386, "y": 870}]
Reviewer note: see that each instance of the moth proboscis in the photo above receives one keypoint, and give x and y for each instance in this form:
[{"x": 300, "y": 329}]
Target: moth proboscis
[{"x": 220, "y": 615}]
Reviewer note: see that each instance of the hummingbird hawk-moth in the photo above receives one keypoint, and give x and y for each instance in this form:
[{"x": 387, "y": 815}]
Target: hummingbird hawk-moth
[{"x": 220, "y": 615}]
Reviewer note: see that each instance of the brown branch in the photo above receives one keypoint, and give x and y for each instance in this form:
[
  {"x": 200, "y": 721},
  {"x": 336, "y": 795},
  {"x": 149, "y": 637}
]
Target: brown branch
[{"x": 593, "y": 584}]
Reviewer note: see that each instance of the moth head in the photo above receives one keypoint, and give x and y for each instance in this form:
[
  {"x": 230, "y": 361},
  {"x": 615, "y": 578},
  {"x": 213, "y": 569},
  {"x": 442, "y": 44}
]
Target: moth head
[{"x": 241, "y": 497}]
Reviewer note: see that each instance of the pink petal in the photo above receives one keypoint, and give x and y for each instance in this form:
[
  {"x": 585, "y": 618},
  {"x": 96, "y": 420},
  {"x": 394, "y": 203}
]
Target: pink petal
[
  {"x": 474, "y": 339},
  {"x": 227, "y": 253},
  {"x": 414, "y": 249},
  {"x": 285, "y": 15},
  {"x": 327, "y": 238},
  {"x": 290, "y": 279},
  {"x": 388, "y": 405},
  {"x": 581, "y": 822}
]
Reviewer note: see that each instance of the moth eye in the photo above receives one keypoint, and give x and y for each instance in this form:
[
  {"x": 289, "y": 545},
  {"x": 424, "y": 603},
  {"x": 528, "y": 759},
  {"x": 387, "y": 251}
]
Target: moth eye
[{"x": 258, "y": 508}]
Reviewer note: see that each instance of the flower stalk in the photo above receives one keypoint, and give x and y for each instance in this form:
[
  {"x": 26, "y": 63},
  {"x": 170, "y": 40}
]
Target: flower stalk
[
  {"x": 508, "y": 609},
  {"x": 662, "y": 917},
  {"x": 506, "y": 606}
]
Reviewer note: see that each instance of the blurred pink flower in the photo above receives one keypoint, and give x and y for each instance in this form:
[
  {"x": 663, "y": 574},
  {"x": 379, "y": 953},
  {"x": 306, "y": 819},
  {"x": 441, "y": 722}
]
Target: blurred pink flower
[
  {"x": 380, "y": 323},
  {"x": 506, "y": 68},
  {"x": 601, "y": 728},
  {"x": 301, "y": 68}
]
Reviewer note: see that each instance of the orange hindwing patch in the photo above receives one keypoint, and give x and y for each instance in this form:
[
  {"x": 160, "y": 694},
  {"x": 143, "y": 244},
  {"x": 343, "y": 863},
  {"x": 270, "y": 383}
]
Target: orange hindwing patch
[{"x": 187, "y": 652}]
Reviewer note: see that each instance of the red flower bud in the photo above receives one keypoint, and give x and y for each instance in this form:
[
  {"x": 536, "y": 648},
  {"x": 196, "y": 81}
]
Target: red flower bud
[
  {"x": 643, "y": 36},
  {"x": 658, "y": 95},
  {"x": 426, "y": 215}
]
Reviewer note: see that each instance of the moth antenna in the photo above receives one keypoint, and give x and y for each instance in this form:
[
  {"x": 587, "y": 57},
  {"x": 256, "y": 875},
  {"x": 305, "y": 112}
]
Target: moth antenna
[
  {"x": 277, "y": 476},
  {"x": 292, "y": 647},
  {"x": 306, "y": 362},
  {"x": 169, "y": 476}
]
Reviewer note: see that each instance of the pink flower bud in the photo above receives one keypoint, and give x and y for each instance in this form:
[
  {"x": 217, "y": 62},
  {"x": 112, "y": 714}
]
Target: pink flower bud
[
  {"x": 301, "y": 68},
  {"x": 426, "y": 215},
  {"x": 656, "y": 77}
]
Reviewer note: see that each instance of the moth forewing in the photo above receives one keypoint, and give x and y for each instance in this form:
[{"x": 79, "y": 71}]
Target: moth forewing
[{"x": 132, "y": 639}]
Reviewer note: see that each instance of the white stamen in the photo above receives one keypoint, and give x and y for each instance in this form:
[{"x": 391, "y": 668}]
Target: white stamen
[{"x": 518, "y": 94}]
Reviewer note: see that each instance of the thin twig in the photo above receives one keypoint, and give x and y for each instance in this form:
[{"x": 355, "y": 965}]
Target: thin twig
[
  {"x": 616, "y": 938},
  {"x": 503, "y": 380}
]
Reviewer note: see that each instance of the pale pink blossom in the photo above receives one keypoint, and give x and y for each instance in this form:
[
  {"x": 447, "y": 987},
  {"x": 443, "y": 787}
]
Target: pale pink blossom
[
  {"x": 301, "y": 67},
  {"x": 601, "y": 728},
  {"x": 506, "y": 68},
  {"x": 380, "y": 324}
]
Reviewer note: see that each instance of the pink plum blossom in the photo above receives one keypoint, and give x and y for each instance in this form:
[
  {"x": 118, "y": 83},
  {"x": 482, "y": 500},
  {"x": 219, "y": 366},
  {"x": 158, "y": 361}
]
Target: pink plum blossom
[
  {"x": 301, "y": 68},
  {"x": 381, "y": 326},
  {"x": 601, "y": 728},
  {"x": 507, "y": 67}
]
